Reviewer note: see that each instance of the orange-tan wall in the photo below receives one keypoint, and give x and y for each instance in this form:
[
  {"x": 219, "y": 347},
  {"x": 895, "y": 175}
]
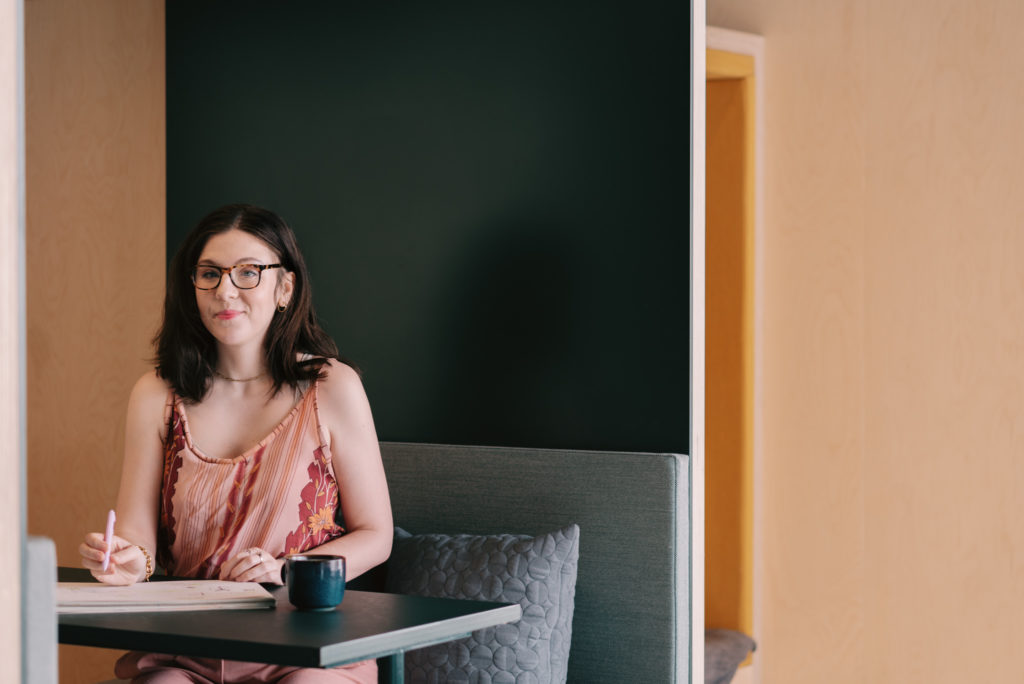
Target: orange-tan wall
[
  {"x": 729, "y": 287},
  {"x": 95, "y": 231},
  {"x": 893, "y": 440}
]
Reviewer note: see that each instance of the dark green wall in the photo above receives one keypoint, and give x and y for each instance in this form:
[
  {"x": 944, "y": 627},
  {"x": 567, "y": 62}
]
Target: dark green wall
[{"x": 493, "y": 199}]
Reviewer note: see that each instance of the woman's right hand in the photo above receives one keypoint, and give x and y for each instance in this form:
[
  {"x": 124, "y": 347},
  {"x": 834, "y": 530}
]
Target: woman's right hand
[{"x": 127, "y": 562}]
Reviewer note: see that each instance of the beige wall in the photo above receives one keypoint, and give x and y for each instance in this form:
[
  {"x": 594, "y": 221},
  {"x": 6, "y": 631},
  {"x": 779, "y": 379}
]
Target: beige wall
[
  {"x": 11, "y": 416},
  {"x": 95, "y": 257},
  {"x": 893, "y": 350}
]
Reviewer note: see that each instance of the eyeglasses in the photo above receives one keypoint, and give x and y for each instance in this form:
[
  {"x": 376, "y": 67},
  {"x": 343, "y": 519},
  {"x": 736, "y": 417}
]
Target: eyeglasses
[{"x": 243, "y": 276}]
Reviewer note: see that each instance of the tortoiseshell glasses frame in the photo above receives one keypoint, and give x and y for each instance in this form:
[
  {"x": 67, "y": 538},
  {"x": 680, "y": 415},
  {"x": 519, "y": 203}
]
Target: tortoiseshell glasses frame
[{"x": 243, "y": 276}]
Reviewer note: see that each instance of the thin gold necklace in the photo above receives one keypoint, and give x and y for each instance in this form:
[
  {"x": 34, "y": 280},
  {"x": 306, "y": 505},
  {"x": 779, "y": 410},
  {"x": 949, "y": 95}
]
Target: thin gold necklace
[{"x": 255, "y": 377}]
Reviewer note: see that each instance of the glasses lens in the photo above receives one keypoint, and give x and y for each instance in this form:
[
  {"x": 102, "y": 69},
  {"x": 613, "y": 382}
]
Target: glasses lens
[
  {"x": 245, "y": 276},
  {"x": 206, "y": 277}
]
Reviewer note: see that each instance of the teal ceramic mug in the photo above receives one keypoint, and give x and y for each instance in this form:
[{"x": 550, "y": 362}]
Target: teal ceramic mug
[{"x": 315, "y": 581}]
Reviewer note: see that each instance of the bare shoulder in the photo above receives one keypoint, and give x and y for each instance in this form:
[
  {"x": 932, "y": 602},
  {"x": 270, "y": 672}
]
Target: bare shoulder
[
  {"x": 345, "y": 413},
  {"x": 145, "y": 421},
  {"x": 341, "y": 384},
  {"x": 150, "y": 384},
  {"x": 149, "y": 395},
  {"x": 342, "y": 400}
]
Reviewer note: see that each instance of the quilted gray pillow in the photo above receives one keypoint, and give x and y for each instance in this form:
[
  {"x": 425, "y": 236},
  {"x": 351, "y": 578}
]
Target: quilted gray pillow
[{"x": 538, "y": 573}]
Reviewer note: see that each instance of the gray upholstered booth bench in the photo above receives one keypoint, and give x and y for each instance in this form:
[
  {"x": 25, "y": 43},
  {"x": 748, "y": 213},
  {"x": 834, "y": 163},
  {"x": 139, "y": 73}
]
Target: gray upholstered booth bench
[{"x": 631, "y": 620}]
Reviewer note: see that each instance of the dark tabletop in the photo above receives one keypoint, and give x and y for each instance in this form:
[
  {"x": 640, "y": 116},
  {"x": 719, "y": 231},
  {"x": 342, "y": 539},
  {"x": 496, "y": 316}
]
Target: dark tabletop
[{"x": 365, "y": 625}]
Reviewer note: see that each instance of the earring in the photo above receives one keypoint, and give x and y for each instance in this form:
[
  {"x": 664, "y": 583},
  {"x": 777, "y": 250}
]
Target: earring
[{"x": 282, "y": 307}]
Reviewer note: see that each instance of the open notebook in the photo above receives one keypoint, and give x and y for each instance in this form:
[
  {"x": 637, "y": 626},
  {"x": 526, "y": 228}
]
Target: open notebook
[{"x": 177, "y": 595}]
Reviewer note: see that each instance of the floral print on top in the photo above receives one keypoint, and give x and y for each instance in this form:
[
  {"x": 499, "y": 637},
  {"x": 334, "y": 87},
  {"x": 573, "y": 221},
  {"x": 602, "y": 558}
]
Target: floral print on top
[{"x": 281, "y": 495}]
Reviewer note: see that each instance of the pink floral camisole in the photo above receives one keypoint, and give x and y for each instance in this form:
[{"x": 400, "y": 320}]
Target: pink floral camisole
[{"x": 281, "y": 495}]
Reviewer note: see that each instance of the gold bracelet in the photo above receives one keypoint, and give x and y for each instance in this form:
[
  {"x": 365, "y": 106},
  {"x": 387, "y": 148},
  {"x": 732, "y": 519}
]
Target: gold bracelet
[{"x": 149, "y": 562}]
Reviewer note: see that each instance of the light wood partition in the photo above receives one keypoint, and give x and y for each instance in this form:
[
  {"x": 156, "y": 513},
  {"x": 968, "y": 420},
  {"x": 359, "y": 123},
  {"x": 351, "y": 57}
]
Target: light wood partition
[
  {"x": 12, "y": 417},
  {"x": 95, "y": 257}
]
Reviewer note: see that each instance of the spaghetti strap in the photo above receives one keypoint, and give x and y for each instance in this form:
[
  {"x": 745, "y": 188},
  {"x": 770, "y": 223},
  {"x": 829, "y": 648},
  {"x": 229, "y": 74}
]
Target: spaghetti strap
[
  {"x": 321, "y": 431},
  {"x": 169, "y": 410}
]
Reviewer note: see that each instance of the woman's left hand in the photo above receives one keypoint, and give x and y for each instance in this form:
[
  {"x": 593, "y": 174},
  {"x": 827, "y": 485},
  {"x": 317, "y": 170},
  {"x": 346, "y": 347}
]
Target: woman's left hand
[{"x": 252, "y": 565}]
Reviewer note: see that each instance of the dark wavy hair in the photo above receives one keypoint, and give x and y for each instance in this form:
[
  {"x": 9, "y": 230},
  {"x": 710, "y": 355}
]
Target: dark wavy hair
[{"x": 186, "y": 352}]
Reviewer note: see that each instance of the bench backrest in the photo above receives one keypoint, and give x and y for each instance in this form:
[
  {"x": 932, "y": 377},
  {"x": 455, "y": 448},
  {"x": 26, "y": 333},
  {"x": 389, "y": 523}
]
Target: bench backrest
[{"x": 632, "y": 609}]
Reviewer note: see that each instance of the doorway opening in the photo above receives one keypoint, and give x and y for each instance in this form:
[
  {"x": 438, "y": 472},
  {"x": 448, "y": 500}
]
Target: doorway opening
[{"x": 730, "y": 291}]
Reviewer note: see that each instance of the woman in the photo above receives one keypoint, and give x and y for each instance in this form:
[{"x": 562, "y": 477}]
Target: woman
[{"x": 245, "y": 441}]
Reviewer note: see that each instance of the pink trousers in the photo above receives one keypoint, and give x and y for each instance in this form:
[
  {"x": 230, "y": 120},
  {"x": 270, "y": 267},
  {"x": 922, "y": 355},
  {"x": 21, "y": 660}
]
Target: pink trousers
[{"x": 155, "y": 668}]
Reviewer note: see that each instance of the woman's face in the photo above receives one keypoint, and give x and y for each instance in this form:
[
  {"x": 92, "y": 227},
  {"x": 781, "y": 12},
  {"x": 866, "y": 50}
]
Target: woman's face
[{"x": 238, "y": 317}]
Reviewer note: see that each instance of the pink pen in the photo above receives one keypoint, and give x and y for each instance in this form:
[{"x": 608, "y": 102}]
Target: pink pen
[{"x": 109, "y": 538}]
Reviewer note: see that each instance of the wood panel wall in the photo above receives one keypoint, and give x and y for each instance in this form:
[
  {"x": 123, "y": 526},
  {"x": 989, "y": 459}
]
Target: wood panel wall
[
  {"x": 894, "y": 324},
  {"x": 95, "y": 169}
]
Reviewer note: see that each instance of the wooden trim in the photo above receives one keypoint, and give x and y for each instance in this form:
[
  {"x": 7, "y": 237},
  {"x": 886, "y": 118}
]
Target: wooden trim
[
  {"x": 12, "y": 331},
  {"x": 698, "y": 28}
]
